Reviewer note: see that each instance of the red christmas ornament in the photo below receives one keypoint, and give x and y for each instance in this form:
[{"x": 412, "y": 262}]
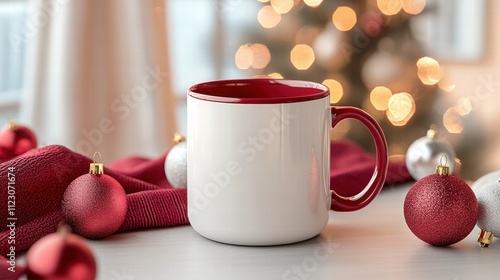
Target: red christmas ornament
[
  {"x": 15, "y": 140},
  {"x": 61, "y": 255},
  {"x": 94, "y": 204},
  {"x": 441, "y": 209}
]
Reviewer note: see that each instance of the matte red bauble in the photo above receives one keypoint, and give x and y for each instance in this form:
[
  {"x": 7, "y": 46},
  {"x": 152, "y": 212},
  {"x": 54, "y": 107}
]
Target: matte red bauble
[
  {"x": 61, "y": 256},
  {"x": 94, "y": 205},
  {"x": 15, "y": 140},
  {"x": 441, "y": 209}
]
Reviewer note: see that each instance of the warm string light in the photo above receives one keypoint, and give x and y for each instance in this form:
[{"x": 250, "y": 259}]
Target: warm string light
[
  {"x": 243, "y": 57},
  {"x": 252, "y": 55},
  {"x": 379, "y": 97},
  {"x": 313, "y": 3},
  {"x": 336, "y": 90},
  {"x": 452, "y": 121},
  {"x": 400, "y": 109},
  {"x": 344, "y": 18},
  {"x": 261, "y": 56},
  {"x": 428, "y": 71},
  {"x": 282, "y": 6},
  {"x": 464, "y": 106},
  {"x": 414, "y": 7},
  {"x": 302, "y": 56},
  {"x": 275, "y": 75},
  {"x": 390, "y": 7},
  {"x": 452, "y": 118},
  {"x": 446, "y": 85},
  {"x": 268, "y": 17}
]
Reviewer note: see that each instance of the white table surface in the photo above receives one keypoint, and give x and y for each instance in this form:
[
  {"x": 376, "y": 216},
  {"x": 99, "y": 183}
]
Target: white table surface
[{"x": 373, "y": 243}]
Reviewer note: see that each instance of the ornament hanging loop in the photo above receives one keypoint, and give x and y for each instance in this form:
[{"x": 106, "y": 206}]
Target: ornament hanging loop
[
  {"x": 443, "y": 160},
  {"x": 442, "y": 169},
  {"x": 96, "y": 167},
  {"x": 95, "y": 154}
]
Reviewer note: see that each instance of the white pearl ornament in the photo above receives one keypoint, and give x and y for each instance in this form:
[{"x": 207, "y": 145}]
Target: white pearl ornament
[
  {"x": 176, "y": 163},
  {"x": 488, "y": 199},
  {"x": 423, "y": 155}
]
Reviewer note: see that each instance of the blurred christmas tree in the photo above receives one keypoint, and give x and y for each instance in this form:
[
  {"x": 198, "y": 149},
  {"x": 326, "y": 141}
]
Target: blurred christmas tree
[{"x": 363, "y": 51}]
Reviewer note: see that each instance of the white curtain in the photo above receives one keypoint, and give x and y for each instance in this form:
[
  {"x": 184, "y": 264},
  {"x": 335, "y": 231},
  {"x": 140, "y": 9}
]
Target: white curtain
[{"x": 98, "y": 78}]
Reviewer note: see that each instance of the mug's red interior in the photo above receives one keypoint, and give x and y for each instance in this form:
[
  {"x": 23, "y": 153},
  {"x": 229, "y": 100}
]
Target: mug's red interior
[{"x": 258, "y": 91}]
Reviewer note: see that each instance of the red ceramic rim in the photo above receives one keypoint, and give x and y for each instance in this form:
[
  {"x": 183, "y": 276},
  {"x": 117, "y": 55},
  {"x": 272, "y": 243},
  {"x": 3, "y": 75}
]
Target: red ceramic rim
[{"x": 258, "y": 91}]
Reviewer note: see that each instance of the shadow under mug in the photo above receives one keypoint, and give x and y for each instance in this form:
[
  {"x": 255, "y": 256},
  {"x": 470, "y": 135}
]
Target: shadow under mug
[{"x": 258, "y": 160}]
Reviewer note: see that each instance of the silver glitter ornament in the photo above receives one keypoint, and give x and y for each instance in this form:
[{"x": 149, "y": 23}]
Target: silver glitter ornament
[
  {"x": 489, "y": 178},
  {"x": 488, "y": 199},
  {"x": 176, "y": 163},
  {"x": 423, "y": 155}
]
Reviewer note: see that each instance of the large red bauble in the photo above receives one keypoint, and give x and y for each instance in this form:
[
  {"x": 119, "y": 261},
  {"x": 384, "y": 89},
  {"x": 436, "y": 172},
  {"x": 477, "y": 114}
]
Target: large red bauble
[
  {"x": 15, "y": 140},
  {"x": 94, "y": 205},
  {"x": 441, "y": 209},
  {"x": 61, "y": 256}
]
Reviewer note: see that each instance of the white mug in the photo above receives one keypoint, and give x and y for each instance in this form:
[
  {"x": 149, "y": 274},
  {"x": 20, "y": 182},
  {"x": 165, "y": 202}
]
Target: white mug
[{"x": 259, "y": 160}]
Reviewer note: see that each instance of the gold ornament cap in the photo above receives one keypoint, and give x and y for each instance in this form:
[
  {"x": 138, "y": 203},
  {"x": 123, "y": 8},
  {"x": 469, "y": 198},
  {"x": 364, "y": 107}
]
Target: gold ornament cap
[
  {"x": 485, "y": 238},
  {"x": 13, "y": 125},
  {"x": 179, "y": 138},
  {"x": 442, "y": 169},
  {"x": 96, "y": 168}
]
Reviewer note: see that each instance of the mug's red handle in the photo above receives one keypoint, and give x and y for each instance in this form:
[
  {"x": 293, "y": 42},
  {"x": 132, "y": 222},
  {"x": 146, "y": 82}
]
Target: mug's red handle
[{"x": 372, "y": 189}]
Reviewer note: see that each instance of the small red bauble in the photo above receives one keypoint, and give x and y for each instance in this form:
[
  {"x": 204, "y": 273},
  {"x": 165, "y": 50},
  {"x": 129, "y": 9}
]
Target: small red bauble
[
  {"x": 441, "y": 209},
  {"x": 94, "y": 205},
  {"x": 15, "y": 140},
  {"x": 61, "y": 256}
]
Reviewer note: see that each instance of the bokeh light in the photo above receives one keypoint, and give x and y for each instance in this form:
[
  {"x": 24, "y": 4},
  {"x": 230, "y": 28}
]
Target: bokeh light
[
  {"x": 446, "y": 85},
  {"x": 452, "y": 121},
  {"x": 413, "y": 7},
  {"x": 400, "y": 109},
  {"x": 389, "y": 7},
  {"x": 275, "y": 75},
  {"x": 464, "y": 106},
  {"x": 282, "y": 6},
  {"x": 379, "y": 97},
  {"x": 261, "y": 56},
  {"x": 428, "y": 71},
  {"x": 243, "y": 57},
  {"x": 313, "y": 3},
  {"x": 268, "y": 17},
  {"x": 344, "y": 18},
  {"x": 302, "y": 56},
  {"x": 252, "y": 55},
  {"x": 336, "y": 90}
]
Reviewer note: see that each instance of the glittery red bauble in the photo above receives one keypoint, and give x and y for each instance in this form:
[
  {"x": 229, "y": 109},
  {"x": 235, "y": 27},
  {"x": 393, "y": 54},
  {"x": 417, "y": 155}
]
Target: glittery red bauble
[
  {"x": 94, "y": 205},
  {"x": 61, "y": 256},
  {"x": 440, "y": 209},
  {"x": 15, "y": 140}
]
